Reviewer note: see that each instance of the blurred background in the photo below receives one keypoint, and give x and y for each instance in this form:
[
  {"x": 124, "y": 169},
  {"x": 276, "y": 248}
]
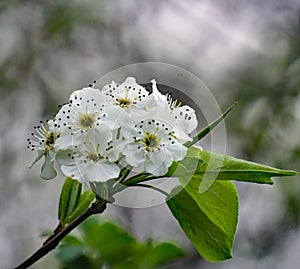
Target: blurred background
[{"x": 247, "y": 50}]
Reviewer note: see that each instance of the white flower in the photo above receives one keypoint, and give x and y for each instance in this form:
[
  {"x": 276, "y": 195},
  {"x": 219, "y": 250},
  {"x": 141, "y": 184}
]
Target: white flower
[
  {"x": 125, "y": 95},
  {"x": 98, "y": 132},
  {"x": 93, "y": 160},
  {"x": 122, "y": 102},
  {"x": 82, "y": 114},
  {"x": 183, "y": 117},
  {"x": 43, "y": 141},
  {"x": 152, "y": 144}
]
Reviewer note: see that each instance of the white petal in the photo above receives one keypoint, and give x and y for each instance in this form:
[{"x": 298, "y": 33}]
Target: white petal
[
  {"x": 185, "y": 118},
  {"x": 181, "y": 135},
  {"x": 134, "y": 156},
  {"x": 129, "y": 81},
  {"x": 64, "y": 158},
  {"x": 65, "y": 117},
  {"x": 101, "y": 171},
  {"x": 158, "y": 162},
  {"x": 72, "y": 171},
  {"x": 99, "y": 137},
  {"x": 118, "y": 143},
  {"x": 176, "y": 150},
  {"x": 115, "y": 117},
  {"x": 81, "y": 96},
  {"x": 67, "y": 141}
]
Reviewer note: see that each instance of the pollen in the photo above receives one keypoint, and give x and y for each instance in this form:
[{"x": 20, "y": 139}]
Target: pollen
[
  {"x": 94, "y": 157},
  {"x": 86, "y": 121},
  {"x": 124, "y": 102},
  {"x": 50, "y": 138},
  {"x": 150, "y": 141}
]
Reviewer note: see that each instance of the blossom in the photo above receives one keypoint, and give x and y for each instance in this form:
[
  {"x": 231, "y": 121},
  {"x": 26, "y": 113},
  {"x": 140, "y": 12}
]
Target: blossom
[
  {"x": 152, "y": 144},
  {"x": 93, "y": 160},
  {"x": 125, "y": 95},
  {"x": 183, "y": 117},
  {"x": 98, "y": 132},
  {"x": 82, "y": 114},
  {"x": 43, "y": 141},
  {"x": 122, "y": 102}
]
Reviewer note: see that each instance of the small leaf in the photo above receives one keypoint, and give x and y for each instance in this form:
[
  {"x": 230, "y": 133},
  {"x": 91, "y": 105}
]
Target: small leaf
[
  {"x": 208, "y": 219},
  {"x": 84, "y": 201},
  {"x": 47, "y": 170},
  {"x": 69, "y": 197},
  {"x": 74, "y": 197}
]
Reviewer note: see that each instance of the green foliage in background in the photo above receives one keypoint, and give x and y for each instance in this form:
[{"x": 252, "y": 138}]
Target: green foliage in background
[{"x": 103, "y": 244}]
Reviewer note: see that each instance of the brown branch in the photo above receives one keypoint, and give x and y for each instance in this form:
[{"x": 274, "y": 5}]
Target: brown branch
[{"x": 51, "y": 243}]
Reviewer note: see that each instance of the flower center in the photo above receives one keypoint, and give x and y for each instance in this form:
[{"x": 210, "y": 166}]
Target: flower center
[
  {"x": 86, "y": 121},
  {"x": 95, "y": 157},
  {"x": 124, "y": 102},
  {"x": 50, "y": 138},
  {"x": 150, "y": 141}
]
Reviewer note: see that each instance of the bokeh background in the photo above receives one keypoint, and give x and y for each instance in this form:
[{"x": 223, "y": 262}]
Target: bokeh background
[{"x": 247, "y": 50}]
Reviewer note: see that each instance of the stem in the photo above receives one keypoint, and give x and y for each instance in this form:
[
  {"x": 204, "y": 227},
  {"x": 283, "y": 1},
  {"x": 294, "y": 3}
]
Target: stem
[
  {"x": 133, "y": 181},
  {"x": 96, "y": 208},
  {"x": 153, "y": 188},
  {"x": 124, "y": 173},
  {"x": 209, "y": 128}
]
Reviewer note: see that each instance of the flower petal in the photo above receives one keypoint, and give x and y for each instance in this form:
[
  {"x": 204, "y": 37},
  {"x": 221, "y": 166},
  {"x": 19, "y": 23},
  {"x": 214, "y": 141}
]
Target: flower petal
[
  {"x": 73, "y": 171},
  {"x": 47, "y": 170},
  {"x": 101, "y": 171},
  {"x": 135, "y": 155},
  {"x": 158, "y": 162}
]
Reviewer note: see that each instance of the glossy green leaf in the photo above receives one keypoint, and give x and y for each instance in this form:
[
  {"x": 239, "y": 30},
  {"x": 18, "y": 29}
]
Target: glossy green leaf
[
  {"x": 208, "y": 219},
  {"x": 69, "y": 198},
  {"x": 221, "y": 167},
  {"x": 84, "y": 201}
]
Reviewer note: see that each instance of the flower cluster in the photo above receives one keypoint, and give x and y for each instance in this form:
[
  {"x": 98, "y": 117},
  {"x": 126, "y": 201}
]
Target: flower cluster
[{"x": 98, "y": 132}]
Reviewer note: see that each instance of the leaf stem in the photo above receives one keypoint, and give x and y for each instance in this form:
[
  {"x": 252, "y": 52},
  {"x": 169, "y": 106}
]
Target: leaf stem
[
  {"x": 124, "y": 173},
  {"x": 96, "y": 208},
  {"x": 153, "y": 188},
  {"x": 209, "y": 127}
]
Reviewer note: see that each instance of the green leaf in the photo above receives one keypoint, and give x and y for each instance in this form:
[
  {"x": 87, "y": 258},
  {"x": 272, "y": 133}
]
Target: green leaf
[
  {"x": 69, "y": 252},
  {"x": 84, "y": 201},
  {"x": 69, "y": 197},
  {"x": 70, "y": 249},
  {"x": 208, "y": 165},
  {"x": 114, "y": 243},
  {"x": 208, "y": 219},
  {"x": 163, "y": 253}
]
